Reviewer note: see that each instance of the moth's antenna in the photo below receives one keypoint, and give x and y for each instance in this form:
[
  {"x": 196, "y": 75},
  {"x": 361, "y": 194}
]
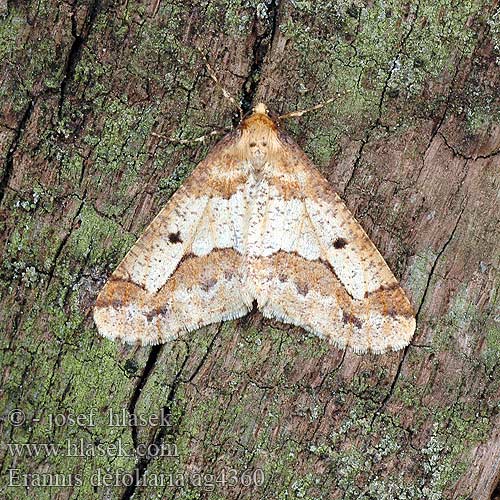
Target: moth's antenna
[
  {"x": 226, "y": 94},
  {"x": 301, "y": 112},
  {"x": 202, "y": 138},
  {"x": 155, "y": 6}
]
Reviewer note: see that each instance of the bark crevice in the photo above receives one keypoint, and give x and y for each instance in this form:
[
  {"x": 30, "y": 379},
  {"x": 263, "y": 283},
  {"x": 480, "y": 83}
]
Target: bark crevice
[
  {"x": 260, "y": 48},
  {"x": 8, "y": 169},
  {"x": 166, "y": 411},
  {"x": 76, "y": 49}
]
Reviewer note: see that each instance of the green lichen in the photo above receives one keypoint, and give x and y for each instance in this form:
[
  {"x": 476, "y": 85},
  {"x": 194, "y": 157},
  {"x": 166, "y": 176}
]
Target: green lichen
[
  {"x": 371, "y": 51},
  {"x": 10, "y": 30}
]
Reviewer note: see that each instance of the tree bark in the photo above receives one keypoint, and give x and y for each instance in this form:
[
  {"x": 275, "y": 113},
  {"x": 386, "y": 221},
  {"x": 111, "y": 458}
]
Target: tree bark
[{"x": 251, "y": 408}]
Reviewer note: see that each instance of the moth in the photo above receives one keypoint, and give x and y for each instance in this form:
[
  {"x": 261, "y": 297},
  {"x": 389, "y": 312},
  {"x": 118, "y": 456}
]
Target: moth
[{"x": 256, "y": 223}]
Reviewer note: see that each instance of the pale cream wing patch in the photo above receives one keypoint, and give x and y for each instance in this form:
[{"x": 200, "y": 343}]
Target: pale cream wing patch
[
  {"x": 184, "y": 271},
  {"x": 323, "y": 273}
]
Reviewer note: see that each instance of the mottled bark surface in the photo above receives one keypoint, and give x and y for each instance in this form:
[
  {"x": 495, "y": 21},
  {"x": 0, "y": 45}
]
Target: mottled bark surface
[{"x": 411, "y": 144}]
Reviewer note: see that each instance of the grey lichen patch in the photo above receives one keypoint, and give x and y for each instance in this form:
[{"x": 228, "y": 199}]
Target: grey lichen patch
[
  {"x": 420, "y": 266},
  {"x": 453, "y": 432},
  {"x": 494, "y": 25},
  {"x": 169, "y": 185},
  {"x": 441, "y": 458},
  {"x": 75, "y": 241},
  {"x": 236, "y": 16},
  {"x": 120, "y": 142},
  {"x": 460, "y": 327}
]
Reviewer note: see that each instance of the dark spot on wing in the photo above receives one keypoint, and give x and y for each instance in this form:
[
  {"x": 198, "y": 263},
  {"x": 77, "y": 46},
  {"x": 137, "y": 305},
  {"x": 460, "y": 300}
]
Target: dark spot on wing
[
  {"x": 391, "y": 312},
  {"x": 208, "y": 283},
  {"x": 175, "y": 237},
  {"x": 158, "y": 311},
  {"x": 302, "y": 288},
  {"x": 384, "y": 288},
  {"x": 228, "y": 274},
  {"x": 339, "y": 243},
  {"x": 115, "y": 303},
  {"x": 350, "y": 318}
]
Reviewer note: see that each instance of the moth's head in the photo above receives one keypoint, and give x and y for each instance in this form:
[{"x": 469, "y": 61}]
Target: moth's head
[
  {"x": 261, "y": 108},
  {"x": 258, "y": 118}
]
